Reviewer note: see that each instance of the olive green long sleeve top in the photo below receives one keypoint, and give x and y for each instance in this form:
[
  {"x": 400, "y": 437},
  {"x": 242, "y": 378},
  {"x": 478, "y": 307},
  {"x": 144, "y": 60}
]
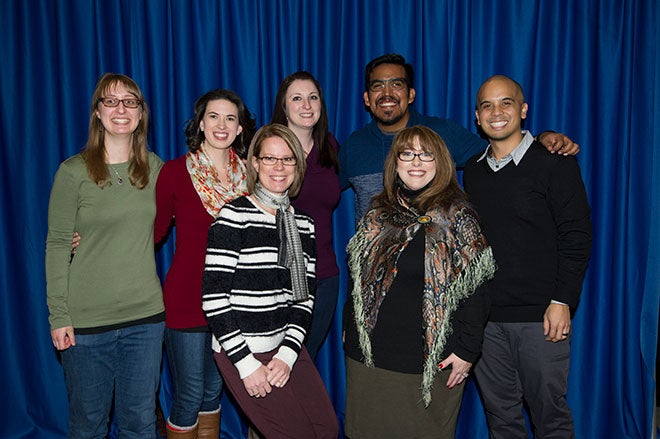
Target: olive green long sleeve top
[{"x": 112, "y": 278}]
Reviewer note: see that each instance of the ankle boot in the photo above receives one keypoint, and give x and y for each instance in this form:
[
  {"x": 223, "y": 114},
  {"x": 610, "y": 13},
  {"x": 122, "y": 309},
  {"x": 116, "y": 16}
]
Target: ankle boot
[
  {"x": 176, "y": 432},
  {"x": 209, "y": 425}
]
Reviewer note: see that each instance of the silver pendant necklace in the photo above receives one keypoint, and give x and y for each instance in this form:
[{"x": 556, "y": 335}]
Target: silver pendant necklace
[{"x": 120, "y": 180}]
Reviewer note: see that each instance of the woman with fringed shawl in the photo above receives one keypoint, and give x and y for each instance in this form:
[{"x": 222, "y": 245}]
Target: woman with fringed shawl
[{"x": 415, "y": 321}]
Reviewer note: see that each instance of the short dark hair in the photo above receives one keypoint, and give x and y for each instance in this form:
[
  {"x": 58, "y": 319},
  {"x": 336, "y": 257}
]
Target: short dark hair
[
  {"x": 195, "y": 136},
  {"x": 389, "y": 58}
]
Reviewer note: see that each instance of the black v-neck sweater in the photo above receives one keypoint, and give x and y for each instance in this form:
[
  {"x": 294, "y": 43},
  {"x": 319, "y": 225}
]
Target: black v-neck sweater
[{"x": 536, "y": 218}]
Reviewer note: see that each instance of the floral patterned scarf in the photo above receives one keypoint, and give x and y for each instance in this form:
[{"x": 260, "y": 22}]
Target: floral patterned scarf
[
  {"x": 457, "y": 260},
  {"x": 206, "y": 180}
]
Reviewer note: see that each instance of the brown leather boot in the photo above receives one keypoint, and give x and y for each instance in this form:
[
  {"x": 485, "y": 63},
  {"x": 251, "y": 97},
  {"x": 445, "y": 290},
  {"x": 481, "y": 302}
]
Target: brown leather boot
[
  {"x": 174, "y": 432},
  {"x": 209, "y": 425}
]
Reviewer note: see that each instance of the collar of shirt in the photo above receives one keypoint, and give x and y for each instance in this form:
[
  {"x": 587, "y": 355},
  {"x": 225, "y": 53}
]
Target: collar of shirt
[{"x": 516, "y": 155}]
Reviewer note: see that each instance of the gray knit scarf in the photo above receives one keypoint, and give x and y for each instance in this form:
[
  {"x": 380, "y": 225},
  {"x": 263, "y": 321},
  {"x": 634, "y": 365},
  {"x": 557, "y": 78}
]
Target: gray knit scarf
[{"x": 290, "y": 252}]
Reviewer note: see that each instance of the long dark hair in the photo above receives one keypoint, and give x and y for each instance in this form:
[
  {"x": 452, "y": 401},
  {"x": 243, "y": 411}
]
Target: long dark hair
[
  {"x": 327, "y": 154},
  {"x": 195, "y": 136}
]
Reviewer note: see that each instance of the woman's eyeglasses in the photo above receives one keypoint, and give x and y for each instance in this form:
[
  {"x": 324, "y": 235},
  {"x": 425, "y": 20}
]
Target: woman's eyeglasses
[
  {"x": 113, "y": 102},
  {"x": 409, "y": 156},
  {"x": 271, "y": 161}
]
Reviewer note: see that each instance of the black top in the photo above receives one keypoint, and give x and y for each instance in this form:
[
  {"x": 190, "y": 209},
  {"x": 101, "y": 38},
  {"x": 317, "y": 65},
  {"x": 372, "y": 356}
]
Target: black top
[
  {"x": 397, "y": 340},
  {"x": 536, "y": 218}
]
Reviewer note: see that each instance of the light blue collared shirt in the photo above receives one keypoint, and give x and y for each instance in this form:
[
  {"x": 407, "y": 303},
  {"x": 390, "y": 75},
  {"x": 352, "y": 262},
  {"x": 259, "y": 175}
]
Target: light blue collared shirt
[{"x": 516, "y": 155}]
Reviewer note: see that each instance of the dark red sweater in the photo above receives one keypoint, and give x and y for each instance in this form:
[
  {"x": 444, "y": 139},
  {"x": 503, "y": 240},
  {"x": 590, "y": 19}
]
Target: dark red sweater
[{"x": 178, "y": 204}]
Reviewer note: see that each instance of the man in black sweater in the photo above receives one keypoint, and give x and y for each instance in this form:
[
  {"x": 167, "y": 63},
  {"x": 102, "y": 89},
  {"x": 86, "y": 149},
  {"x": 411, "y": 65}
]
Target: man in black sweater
[{"x": 535, "y": 212}]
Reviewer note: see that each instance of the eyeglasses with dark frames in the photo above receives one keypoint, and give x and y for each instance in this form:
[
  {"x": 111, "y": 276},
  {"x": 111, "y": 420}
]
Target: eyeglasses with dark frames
[
  {"x": 272, "y": 161},
  {"x": 408, "y": 156},
  {"x": 114, "y": 102}
]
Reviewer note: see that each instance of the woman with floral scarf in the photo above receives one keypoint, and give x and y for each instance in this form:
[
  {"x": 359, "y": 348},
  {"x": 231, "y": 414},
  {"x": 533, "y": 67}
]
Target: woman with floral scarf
[
  {"x": 414, "y": 324},
  {"x": 190, "y": 192}
]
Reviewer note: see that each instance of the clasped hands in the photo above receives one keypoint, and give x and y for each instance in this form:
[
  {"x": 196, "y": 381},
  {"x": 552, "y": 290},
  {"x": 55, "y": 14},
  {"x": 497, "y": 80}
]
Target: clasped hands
[{"x": 261, "y": 382}]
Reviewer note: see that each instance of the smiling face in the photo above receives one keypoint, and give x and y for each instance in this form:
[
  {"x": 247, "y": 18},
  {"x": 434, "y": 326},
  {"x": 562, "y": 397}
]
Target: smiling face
[
  {"x": 389, "y": 106},
  {"x": 119, "y": 120},
  {"x": 220, "y": 124},
  {"x": 275, "y": 178},
  {"x": 302, "y": 104},
  {"x": 500, "y": 110},
  {"x": 417, "y": 173}
]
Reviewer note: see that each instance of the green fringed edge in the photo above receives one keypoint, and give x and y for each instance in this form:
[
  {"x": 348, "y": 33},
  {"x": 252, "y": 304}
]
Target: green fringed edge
[
  {"x": 355, "y": 249},
  {"x": 478, "y": 271}
]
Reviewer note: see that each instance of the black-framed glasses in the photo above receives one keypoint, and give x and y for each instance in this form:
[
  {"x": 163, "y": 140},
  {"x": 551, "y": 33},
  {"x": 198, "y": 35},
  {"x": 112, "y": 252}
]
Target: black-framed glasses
[
  {"x": 408, "y": 156},
  {"x": 113, "y": 102},
  {"x": 272, "y": 161},
  {"x": 395, "y": 84}
]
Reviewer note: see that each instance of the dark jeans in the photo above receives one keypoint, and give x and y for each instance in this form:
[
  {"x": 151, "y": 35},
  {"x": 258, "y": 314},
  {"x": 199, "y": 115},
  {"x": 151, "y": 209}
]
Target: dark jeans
[
  {"x": 125, "y": 362},
  {"x": 327, "y": 291},
  {"x": 195, "y": 377}
]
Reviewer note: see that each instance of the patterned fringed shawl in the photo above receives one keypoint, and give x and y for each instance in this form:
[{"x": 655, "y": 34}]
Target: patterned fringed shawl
[{"x": 457, "y": 260}]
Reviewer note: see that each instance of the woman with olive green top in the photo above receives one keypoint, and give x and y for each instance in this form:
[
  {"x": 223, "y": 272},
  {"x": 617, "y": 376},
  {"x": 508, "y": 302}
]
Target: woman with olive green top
[
  {"x": 112, "y": 278},
  {"x": 106, "y": 306}
]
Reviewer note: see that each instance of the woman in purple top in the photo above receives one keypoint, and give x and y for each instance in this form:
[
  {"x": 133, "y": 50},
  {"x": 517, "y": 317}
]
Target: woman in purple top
[{"x": 300, "y": 106}]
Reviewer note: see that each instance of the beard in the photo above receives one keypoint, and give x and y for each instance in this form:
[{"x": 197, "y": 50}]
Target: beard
[{"x": 391, "y": 115}]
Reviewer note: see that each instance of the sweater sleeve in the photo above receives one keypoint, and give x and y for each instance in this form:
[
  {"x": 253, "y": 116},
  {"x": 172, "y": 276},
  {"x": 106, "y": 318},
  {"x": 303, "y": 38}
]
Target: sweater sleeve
[
  {"x": 164, "y": 202},
  {"x": 62, "y": 212},
  {"x": 571, "y": 212},
  {"x": 222, "y": 253},
  {"x": 469, "y": 323},
  {"x": 471, "y": 316}
]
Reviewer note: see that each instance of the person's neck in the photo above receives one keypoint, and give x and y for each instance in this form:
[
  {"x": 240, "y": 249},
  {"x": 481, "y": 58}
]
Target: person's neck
[
  {"x": 219, "y": 157},
  {"x": 262, "y": 206},
  {"x": 395, "y": 128},
  {"x": 502, "y": 148},
  {"x": 118, "y": 150},
  {"x": 305, "y": 137}
]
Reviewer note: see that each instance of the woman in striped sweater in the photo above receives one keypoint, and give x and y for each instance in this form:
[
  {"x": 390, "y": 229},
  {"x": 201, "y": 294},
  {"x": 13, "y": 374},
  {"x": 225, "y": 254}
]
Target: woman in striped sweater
[{"x": 258, "y": 293}]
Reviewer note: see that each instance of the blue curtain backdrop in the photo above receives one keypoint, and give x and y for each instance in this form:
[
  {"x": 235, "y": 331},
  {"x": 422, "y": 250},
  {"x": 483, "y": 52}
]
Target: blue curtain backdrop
[{"x": 590, "y": 68}]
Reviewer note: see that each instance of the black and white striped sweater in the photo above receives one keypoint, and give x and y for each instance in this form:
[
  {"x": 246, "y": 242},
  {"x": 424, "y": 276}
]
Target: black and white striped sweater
[{"x": 246, "y": 295}]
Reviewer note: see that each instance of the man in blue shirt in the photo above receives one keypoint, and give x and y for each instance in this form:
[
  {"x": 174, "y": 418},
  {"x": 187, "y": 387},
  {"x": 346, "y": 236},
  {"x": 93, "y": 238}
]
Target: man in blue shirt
[{"x": 388, "y": 94}]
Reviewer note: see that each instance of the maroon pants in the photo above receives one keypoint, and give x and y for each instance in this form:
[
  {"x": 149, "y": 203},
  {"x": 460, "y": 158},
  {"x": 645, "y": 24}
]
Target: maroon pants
[{"x": 299, "y": 410}]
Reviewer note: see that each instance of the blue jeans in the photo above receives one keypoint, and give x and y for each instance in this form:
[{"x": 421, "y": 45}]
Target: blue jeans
[
  {"x": 125, "y": 361},
  {"x": 195, "y": 378},
  {"x": 324, "y": 309}
]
